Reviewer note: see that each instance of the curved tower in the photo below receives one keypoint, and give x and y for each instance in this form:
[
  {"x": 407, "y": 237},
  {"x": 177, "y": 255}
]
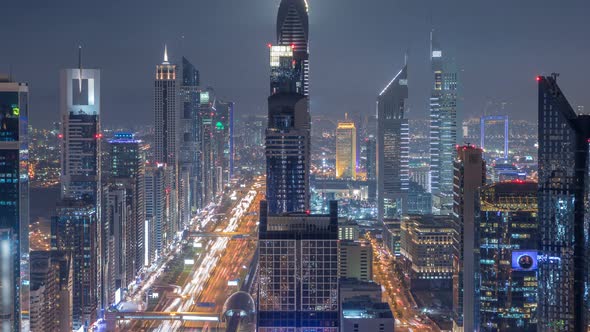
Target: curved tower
[{"x": 293, "y": 30}]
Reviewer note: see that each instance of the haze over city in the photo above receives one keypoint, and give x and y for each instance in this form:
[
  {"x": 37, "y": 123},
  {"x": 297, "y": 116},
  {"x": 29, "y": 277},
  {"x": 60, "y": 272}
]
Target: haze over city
[{"x": 294, "y": 166}]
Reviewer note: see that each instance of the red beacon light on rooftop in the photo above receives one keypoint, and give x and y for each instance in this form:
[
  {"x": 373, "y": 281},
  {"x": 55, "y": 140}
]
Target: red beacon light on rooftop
[{"x": 538, "y": 78}]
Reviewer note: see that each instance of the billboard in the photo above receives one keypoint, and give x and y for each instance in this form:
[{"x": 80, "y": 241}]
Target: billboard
[{"x": 524, "y": 260}]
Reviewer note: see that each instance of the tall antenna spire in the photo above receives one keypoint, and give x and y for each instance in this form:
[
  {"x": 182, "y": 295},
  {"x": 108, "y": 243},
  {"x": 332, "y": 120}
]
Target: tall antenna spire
[
  {"x": 165, "y": 53},
  {"x": 80, "y": 67}
]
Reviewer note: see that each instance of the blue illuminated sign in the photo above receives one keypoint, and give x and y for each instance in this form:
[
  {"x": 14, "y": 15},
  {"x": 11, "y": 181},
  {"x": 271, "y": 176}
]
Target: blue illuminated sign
[{"x": 524, "y": 260}]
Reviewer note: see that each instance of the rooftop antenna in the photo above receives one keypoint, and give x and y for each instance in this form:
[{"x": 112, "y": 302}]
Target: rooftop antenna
[
  {"x": 80, "y": 67},
  {"x": 165, "y": 54}
]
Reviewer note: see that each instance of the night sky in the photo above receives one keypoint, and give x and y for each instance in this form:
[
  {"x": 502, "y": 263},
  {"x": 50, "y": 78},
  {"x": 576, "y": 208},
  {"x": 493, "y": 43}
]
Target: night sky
[{"x": 356, "y": 47}]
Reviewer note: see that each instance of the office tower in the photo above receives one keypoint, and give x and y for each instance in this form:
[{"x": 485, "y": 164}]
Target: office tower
[
  {"x": 507, "y": 232},
  {"x": 470, "y": 174},
  {"x": 287, "y": 153},
  {"x": 563, "y": 210},
  {"x": 50, "y": 292},
  {"x": 298, "y": 271},
  {"x": 293, "y": 31},
  {"x": 392, "y": 147},
  {"x": 14, "y": 205},
  {"x": 75, "y": 232},
  {"x": 443, "y": 127},
  {"x": 119, "y": 255},
  {"x": 155, "y": 211},
  {"x": 346, "y": 150},
  {"x": 127, "y": 170},
  {"x": 419, "y": 201},
  {"x": 371, "y": 166},
  {"x": 427, "y": 251},
  {"x": 392, "y": 235},
  {"x": 166, "y": 112},
  {"x": 356, "y": 260},
  {"x": 223, "y": 138},
  {"x": 80, "y": 145},
  {"x": 189, "y": 153},
  {"x": 348, "y": 230},
  {"x": 286, "y": 73},
  {"x": 288, "y": 134}
]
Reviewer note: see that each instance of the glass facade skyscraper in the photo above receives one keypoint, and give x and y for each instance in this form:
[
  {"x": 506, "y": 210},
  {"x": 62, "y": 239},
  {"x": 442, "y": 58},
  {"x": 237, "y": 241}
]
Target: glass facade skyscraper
[
  {"x": 564, "y": 187},
  {"x": 288, "y": 135},
  {"x": 80, "y": 118},
  {"x": 293, "y": 31},
  {"x": 443, "y": 128},
  {"x": 392, "y": 147},
  {"x": 75, "y": 231},
  {"x": 507, "y": 233},
  {"x": 298, "y": 272},
  {"x": 346, "y": 150},
  {"x": 14, "y": 205}
]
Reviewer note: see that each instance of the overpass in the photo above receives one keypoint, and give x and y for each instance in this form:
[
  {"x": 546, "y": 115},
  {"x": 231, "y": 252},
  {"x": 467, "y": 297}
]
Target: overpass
[
  {"x": 111, "y": 318},
  {"x": 234, "y": 235}
]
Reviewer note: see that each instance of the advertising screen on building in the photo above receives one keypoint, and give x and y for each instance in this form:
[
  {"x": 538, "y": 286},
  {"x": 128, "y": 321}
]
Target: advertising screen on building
[{"x": 524, "y": 260}]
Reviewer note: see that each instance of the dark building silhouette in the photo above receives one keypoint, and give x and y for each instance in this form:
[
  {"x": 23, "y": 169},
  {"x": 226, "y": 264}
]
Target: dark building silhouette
[{"x": 563, "y": 211}]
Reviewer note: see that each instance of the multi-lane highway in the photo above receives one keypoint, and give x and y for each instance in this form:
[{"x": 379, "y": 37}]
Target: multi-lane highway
[
  {"x": 222, "y": 259},
  {"x": 407, "y": 317}
]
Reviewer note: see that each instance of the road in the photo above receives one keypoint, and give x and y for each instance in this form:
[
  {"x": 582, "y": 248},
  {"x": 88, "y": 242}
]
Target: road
[
  {"x": 222, "y": 259},
  {"x": 407, "y": 317}
]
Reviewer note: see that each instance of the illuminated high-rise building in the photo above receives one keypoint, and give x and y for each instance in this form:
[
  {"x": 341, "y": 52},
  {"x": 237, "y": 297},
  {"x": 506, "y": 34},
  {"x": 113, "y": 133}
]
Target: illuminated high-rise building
[
  {"x": 14, "y": 205},
  {"x": 127, "y": 170},
  {"x": 80, "y": 133},
  {"x": 443, "y": 128},
  {"x": 76, "y": 226},
  {"x": 564, "y": 188},
  {"x": 507, "y": 233},
  {"x": 346, "y": 150},
  {"x": 188, "y": 155},
  {"x": 165, "y": 112},
  {"x": 293, "y": 31},
  {"x": 392, "y": 147},
  {"x": 298, "y": 271},
  {"x": 166, "y": 147},
  {"x": 75, "y": 231},
  {"x": 469, "y": 176}
]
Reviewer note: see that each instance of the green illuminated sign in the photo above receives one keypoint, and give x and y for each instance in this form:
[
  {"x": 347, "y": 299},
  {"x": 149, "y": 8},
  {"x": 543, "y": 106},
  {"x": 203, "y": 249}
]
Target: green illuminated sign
[
  {"x": 15, "y": 110},
  {"x": 219, "y": 126}
]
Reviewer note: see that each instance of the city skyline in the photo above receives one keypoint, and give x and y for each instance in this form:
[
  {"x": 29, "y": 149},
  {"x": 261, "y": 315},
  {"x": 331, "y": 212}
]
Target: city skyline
[
  {"x": 222, "y": 205},
  {"x": 133, "y": 45}
]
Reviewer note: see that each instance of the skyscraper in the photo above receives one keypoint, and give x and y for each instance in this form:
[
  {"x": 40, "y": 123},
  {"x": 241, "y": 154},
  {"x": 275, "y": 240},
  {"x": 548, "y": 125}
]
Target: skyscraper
[
  {"x": 166, "y": 112},
  {"x": 127, "y": 170},
  {"x": 298, "y": 271},
  {"x": 155, "y": 212},
  {"x": 80, "y": 132},
  {"x": 189, "y": 154},
  {"x": 443, "y": 128},
  {"x": 564, "y": 208},
  {"x": 470, "y": 174},
  {"x": 507, "y": 231},
  {"x": 288, "y": 134},
  {"x": 14, "y": 205},
  {"x": 287, "y": 153},
  {"x": 75, "y": 227},
  {"x": 346, "y": 150},
  {"x": 75, "y": 232},
  {"x": 392, "y": 147},
  {"x": 293, "y": 31}
]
